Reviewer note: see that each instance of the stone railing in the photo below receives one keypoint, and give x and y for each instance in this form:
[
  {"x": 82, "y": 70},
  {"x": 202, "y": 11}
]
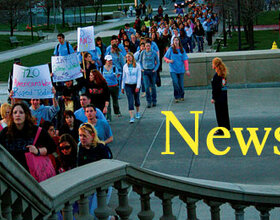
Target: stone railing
[
  {"x": 23, "y": 198},
  {"x": 245, "y": 67}
]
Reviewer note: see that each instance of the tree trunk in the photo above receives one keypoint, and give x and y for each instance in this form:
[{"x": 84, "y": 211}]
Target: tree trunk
[
  {"x": 96, "y": 14},
  {"x": 80, "y": 10},
  {"x": 251, "y": 36},
  {"x": 246, "y": 33},
  {"x": 63, "y": 17},
  {"x": 48, "y": 17},
  {"x": 11, "y": 26}
]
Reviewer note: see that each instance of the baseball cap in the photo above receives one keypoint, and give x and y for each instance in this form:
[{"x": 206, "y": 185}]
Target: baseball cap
[
  {"x": 108, "y": 57},
  {"x": 17, "y": 60}
]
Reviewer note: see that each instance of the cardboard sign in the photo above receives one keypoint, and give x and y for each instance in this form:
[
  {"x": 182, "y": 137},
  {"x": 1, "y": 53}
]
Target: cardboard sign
[
  {"x": 86, "y": 39},
  {"x": 32, "y": 82},
  {"x": 66, "y": 68}
]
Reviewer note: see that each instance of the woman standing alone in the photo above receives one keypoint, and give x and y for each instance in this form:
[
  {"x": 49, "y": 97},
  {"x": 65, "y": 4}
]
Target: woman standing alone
[{"x": 219, "y": 94}]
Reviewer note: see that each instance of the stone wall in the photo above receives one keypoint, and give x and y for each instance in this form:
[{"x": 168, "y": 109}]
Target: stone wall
[{"x": 244, "y": 67}]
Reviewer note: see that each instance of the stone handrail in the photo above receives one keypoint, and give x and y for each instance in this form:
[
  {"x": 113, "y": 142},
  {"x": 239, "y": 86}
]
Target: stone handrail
[{"x": 23, "y": 198}]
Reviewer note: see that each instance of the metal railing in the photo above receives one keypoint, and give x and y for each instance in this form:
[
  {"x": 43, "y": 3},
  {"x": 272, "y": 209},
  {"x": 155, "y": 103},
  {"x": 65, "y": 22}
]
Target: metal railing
[{"x": 21, "y": 197}]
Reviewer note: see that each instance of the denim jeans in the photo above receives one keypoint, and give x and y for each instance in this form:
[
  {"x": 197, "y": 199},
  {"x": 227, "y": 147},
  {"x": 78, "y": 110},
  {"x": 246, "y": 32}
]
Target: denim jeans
[
  {"x": 150, "y": 81},
  {"x": 178, "y": 84},
  {"x": 200, "y": 43},
  {"x": 132, "y": 96}
]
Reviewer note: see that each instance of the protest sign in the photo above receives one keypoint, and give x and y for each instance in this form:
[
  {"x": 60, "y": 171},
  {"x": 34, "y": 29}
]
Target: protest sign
[
  {"x": 32, "y": 82},
  {"x": 65, "y": 68},
  {"x": 86, "y": 39}
]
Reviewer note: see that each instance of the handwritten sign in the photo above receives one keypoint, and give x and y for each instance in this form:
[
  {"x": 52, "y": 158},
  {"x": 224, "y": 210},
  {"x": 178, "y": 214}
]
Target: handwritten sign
[
  {"x": 66, "y": 68},
  {"x": 32, "y": 82},
  {"x": 86, "y": 39}
]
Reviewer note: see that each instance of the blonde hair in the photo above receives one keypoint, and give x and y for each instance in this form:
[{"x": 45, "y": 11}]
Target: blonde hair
[
  {"x": 220, "y": 67},
  {"x": 4, "y": 108},
  {"x": 133, "y": 59},
  {"x": 91, "y": 129}
]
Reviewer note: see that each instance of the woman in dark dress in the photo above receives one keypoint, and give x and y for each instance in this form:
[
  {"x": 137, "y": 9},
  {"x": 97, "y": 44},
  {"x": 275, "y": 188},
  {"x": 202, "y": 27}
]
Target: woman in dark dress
[
  {"x": 99, "y": 92},
  {"x": 219, "y": 94}
]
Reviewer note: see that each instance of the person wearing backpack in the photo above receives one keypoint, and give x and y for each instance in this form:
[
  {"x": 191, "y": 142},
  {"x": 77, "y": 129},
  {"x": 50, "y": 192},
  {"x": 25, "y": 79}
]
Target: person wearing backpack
[{"x": 64, "y": 48}]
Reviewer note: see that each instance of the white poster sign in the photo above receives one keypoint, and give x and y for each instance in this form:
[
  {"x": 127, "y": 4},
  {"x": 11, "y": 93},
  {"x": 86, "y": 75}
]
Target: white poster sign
[
  {"x": 65, "y": 68},
  {"x": 32, "y": 82},
  {"x": 86, "y": 39}
]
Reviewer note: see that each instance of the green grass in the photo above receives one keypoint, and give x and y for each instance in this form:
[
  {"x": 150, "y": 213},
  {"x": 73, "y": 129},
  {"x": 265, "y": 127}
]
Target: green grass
[
  {"x": 268, "y": 17},
  {"x": 263, "y": 41},
  {"x": 5, "y": 41},
  {"x": 34, "y": 60}
]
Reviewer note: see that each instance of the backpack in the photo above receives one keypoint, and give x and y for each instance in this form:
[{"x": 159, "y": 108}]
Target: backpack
[
  {"x": 101, "y": 70},
  {"x": 67, "y": 45}
]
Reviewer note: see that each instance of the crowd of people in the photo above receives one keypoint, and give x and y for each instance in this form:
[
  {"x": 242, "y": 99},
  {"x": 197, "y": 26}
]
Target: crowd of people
[{"x": 76, "y": 121}]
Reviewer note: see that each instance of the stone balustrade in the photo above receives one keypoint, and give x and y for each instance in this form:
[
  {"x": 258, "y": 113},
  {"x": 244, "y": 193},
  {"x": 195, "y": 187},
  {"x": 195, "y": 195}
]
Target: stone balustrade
[
  {"x": 21, "y": 197},
  {"x": 245, "y": 67}
]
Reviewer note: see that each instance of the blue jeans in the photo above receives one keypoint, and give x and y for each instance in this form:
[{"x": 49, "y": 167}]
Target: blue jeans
[
  {"x": 132, "y": 96},
  {"x": 150, "y": 81},
  {"x": 200, "y": 43},
  {"x": 178, "y": 84}
]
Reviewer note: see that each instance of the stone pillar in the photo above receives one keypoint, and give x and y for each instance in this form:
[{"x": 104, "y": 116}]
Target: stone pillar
[
  {"x": 68, "y": 211},
  {"x": 191, "y": 206},
  {"x": 102, "y": 211},
  {"x": 239, "y": 211},
  {"x": 8, "y": 198},
  {"x": 264, "y": 212},
  {"x": 146, "y": 213},
  {"x": 215, "y": 209},
  {"x": 166, "y": 206},
  {"x": 18, "y": 209},
  {"x": 123, "y": 210},
  {"x": 84, "y": 209}
]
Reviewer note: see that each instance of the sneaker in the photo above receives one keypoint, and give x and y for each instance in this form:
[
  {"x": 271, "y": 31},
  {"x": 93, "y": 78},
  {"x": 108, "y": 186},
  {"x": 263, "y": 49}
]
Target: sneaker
[
  {"x": 149, "y": 105},
  {"x": 182, "y": 99},
  {"x": 131, "y": 120},
  {"x": 176, "y": 100},
  {"x": 119, "y": 115},
  {"x": 154, "y": 104},
  {"x": 138, "y": 115}
]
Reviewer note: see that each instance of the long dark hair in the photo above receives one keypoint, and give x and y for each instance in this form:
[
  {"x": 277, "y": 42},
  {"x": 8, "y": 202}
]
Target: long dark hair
[
  {"x": 180, "y": 46},
  {"x": 28, "y": 123}
]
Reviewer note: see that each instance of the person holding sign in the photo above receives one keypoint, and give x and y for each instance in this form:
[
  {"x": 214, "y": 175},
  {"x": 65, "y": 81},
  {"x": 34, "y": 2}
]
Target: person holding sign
[{"x": 44, "y": 113}]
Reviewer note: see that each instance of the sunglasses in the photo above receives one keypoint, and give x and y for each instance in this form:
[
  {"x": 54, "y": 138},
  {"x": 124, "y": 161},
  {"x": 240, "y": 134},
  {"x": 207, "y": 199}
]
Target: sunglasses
[{"x": 65, "y": 148}]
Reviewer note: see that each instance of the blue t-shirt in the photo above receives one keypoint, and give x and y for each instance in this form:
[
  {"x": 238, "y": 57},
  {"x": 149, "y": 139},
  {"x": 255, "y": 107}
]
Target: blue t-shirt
[
  {"x": 103, "y": 129},
  {"x": 62, "y": 49},
  {"x": 178, "y": 60}
]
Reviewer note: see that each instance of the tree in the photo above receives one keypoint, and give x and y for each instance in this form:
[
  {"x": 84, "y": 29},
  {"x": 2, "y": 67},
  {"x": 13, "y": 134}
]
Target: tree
[
  {"x": 249, "y": 12},
  {"x": 97, "y": 4},
  {"x": 12, "y": 12}
]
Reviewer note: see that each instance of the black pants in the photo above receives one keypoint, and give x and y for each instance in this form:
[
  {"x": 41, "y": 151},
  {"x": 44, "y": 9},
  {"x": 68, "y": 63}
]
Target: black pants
[
  {"x": 221, "y": 108},
  {"x": 209, "y": 38}
]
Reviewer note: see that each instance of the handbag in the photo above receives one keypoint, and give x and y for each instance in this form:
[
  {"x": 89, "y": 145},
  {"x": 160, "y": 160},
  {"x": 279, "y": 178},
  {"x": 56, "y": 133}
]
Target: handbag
[{"x": 40, "y": 167}]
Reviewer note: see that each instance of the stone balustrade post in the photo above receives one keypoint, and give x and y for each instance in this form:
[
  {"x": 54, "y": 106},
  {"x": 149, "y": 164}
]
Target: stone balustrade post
[
  {"x": 123, "y": 210},
  {"x": 84, "y": 209},
  {"x": 53, "y": 216},
  {"x": 102, "y": 211},
  {"x": 166, "y": 205},
  {"x": 8, "y": 198},
  {"x": 191, "y": 206},
  {"x": 264, "y": 212},
  {"x": 239, "y": 211},
  {"x": 215, "y": 209},
  {"x": 68, "y": 211},
  {"x": 18, "y": 209},
  {"x": 146, "y": 213}
]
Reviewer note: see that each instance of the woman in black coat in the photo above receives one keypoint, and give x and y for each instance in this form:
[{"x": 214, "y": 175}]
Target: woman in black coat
[{"x": 219, "y": 94}]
